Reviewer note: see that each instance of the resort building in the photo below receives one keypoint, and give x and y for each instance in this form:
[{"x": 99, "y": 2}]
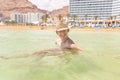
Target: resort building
[
  {"x": 116, "y": 9},
  {"x": 102, "y": 9},
  {"x": 3, "y": 18},
  {"x": 30, "y": 17}
]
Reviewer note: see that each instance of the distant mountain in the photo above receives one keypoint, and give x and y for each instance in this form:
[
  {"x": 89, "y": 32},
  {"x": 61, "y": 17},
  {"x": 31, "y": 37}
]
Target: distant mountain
[
  {"x": 63, "y": 11},
  {"x": 9, "y": 6}
]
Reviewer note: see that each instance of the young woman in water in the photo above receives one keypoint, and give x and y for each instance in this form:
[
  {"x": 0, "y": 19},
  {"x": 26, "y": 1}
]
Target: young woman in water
[{"x": 65, "y": 43}]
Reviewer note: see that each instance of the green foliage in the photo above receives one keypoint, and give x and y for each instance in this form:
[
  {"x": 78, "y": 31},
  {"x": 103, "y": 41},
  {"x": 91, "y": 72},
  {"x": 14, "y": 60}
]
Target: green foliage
[
  {"x": 74, "y": 17},
  {"x": 10, "y": 22},
  {"x": 96, "y": 17},
  {"x": 45, "y": 18},
  {"x": 29, "y": 24},
  {"x": 60, "y": 17}
]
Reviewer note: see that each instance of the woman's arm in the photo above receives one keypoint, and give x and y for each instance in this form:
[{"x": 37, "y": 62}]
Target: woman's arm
[{"x": 74, "y": 46}]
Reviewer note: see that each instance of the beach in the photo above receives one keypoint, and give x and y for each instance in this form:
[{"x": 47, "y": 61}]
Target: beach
[{"x": 54, "y": 28}]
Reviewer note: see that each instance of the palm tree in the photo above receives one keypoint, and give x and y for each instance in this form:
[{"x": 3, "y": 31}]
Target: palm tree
[
  {"x": 96, "y": 17},
  {"x": 115, "y": 22},
  {"x": 68, "y": 17},
  {"x": 74, "y": 17},
  {"x": 110, "y": 22},
  {"x": 13, "y": 22},
  {"x": 7, "y": 22},
  {"x": 115, "y": 17},
  {"x": 60, "y": 17},
  {"x": 86, "y": 16},
  {"x": 45, "y": 18},
  {"x": 111, "y": 18}
]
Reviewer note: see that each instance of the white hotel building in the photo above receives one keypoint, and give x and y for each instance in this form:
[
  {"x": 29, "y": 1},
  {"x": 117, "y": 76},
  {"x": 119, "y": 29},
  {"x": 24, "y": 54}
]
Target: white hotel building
[
  {"x": 30, "y": 17},
  {"x": 91, "y": 8}
]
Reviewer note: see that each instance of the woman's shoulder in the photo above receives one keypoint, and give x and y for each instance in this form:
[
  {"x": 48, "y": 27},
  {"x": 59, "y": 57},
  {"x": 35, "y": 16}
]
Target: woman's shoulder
[{"x": 70, "y": 41}]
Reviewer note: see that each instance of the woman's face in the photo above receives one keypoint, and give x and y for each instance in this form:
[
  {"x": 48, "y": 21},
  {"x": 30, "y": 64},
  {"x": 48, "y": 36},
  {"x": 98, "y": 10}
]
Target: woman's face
[{"x": 62, "y": 33}]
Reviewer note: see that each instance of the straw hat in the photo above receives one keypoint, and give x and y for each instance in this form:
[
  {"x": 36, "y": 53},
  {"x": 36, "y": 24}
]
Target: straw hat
[{"x": 62, "y": 26}]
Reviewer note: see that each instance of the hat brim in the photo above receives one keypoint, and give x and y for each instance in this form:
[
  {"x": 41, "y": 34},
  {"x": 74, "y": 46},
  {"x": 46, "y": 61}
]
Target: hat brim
[{"x": 62, "y": 29}]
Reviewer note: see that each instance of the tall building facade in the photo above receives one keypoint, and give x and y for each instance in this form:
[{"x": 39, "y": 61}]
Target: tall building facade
[
  {"x": 30, "y": 17},
  {"x": 116, "y": 7},
  {"x": 103, "y": 9}
]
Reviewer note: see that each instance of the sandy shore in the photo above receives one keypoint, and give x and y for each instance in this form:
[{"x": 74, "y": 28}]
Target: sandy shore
[{"x": 53, "y": 28}]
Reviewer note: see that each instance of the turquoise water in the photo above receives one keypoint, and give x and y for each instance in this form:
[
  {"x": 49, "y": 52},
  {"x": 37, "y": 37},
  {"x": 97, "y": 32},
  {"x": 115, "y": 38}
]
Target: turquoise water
[{"x": 99, "y": 64}]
